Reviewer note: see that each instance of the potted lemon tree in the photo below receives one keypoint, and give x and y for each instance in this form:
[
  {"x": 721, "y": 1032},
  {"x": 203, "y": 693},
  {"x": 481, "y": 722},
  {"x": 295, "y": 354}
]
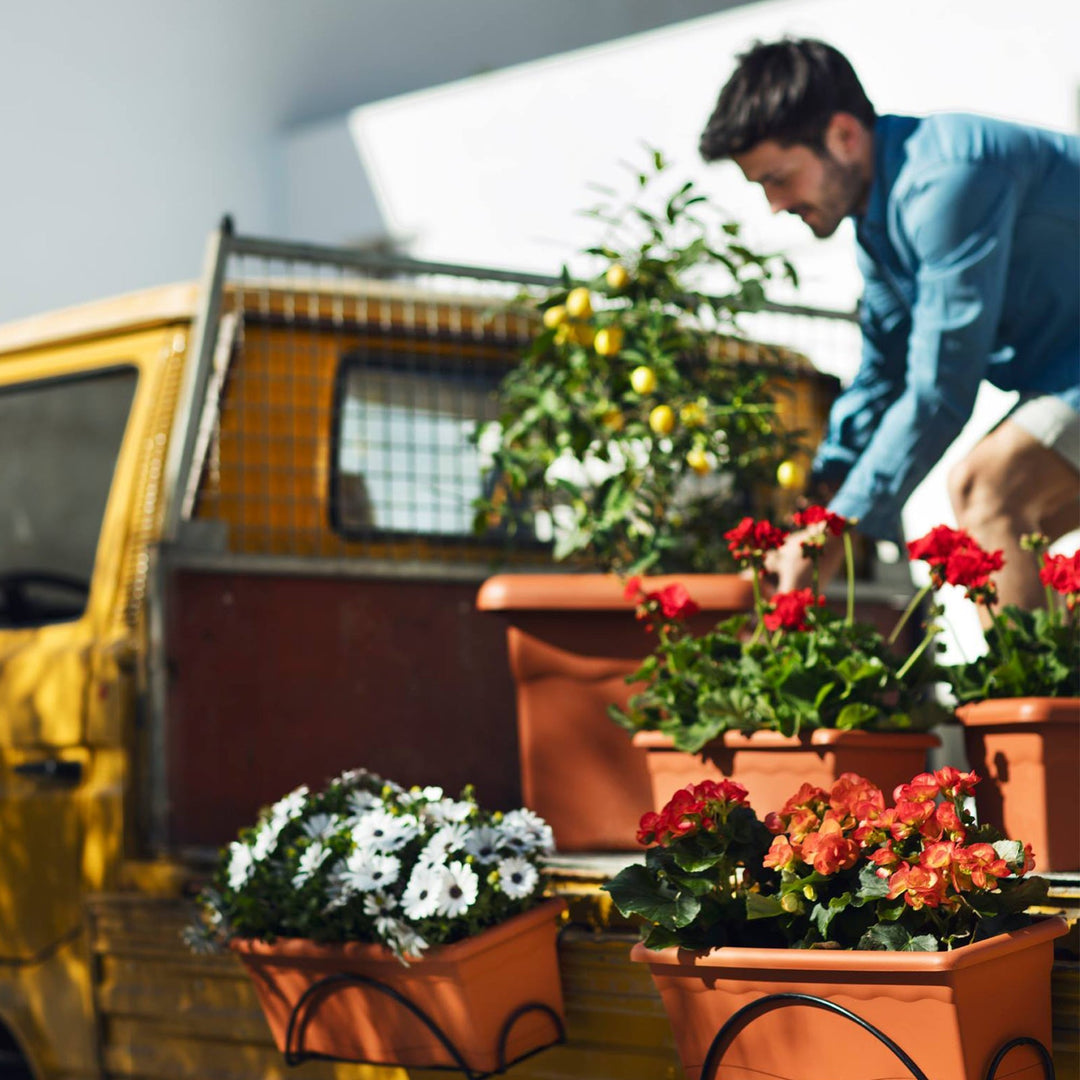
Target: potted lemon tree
[{"x": 636, "y": 428}]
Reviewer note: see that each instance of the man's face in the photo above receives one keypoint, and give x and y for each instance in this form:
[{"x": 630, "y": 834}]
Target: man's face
[{"x": 820, "y": 189}]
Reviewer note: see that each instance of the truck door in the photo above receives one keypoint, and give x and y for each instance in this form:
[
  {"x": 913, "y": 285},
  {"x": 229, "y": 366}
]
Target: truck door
[{"x": 63, "y": 421}]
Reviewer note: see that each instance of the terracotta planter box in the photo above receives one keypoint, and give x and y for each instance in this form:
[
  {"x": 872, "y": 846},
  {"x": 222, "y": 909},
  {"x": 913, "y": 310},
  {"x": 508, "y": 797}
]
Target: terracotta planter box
[
  {"x": 470, "y": 990},
  {"x": 572, "y": 639},
  {"x": 1027, "y": 750},
  {"x": 772, "y": 766},
  {"x": 949, "y": 1012}
]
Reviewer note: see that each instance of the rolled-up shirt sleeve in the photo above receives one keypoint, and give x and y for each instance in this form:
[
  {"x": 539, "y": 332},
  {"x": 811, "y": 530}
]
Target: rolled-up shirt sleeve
[
  {"x": 885, "y": 323},
  {"x": 959, "y": 221}
]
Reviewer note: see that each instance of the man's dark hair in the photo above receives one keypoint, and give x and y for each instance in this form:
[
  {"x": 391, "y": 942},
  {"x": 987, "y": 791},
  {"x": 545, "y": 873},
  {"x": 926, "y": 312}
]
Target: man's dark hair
[{"x": 787, "y": 91}]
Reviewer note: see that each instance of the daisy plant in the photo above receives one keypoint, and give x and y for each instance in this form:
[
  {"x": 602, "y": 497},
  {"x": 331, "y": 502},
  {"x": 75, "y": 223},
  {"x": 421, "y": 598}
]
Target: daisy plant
[
  {"x": 368, "y": 860},
  {"x": 792, "y": 665}
]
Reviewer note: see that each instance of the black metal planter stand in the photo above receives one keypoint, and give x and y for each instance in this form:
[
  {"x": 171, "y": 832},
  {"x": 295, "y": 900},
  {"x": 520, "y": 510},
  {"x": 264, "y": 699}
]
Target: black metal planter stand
[
  {"x": 726, "y": 1035},
  {"x": 295, "y": 1053}
]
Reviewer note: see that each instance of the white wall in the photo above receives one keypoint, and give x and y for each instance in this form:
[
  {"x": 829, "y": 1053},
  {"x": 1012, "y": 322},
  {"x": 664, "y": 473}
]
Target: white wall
[{"x": 129, "y": 127}]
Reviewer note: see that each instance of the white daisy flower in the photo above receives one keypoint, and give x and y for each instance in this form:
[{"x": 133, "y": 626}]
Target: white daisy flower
[
  {"x": 266, "y": 839},
  {"x": 321, "y": 826},
  {"x": 442, "y": 842},
  {"x": 517, "y": 877},
  {"x": 381, "y": 831},
  {"x": 459, "y": 888},
  {"x": 241, "y": 865},
  {"x": 381, "y": 906},
  {"x": 404, "y": 940},
  {"x": 527, "y": 831},
  {"x": 289, "y": 807},
  {"x": 310, "y": 861},
  {"x": 360, "y": 802},
  {"x": 482, "y": 844},
  {"x": 422, "y": 894},
  {"x": 448, "y": 810},
  {"x": 365, "y": 871},
  {"x": 431, "y": 794}
]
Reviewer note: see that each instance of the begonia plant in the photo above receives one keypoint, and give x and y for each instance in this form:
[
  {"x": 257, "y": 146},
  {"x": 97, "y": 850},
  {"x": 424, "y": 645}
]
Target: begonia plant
[
  {"x": 790, "y": 666},
  {"x": 843, "y": 868},
  {"x": 370, "y": 861}
]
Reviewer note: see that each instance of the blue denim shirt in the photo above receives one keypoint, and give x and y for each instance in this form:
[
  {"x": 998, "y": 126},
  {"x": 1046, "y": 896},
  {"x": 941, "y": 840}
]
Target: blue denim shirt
[{"x": 970, "y": 252}]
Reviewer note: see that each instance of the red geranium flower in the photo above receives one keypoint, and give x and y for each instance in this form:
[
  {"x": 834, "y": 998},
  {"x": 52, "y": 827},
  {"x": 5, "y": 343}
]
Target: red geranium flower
[
  {"x": 750, "y": 539},
  {"x": 1061, "y": 572},
  {"x": 814, "y": 515},
  {"x": 938, "y": 544},
  {"x": 971, "y": 566},
  {"x": 789, "y": 610},
  {"x": 675, "y": 602}
]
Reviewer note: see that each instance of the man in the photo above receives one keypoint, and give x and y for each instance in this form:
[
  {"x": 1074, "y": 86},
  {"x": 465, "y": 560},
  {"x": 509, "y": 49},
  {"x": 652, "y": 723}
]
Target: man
[{"x": 968, "y": 233}]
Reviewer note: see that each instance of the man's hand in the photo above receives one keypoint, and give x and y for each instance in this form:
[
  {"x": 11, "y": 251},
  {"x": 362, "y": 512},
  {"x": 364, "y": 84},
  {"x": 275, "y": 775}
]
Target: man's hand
[{"x": 794, "y": 570}]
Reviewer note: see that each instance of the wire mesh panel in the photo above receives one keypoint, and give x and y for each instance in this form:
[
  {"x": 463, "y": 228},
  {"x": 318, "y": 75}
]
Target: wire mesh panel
[{"x": 342, "y": 398}]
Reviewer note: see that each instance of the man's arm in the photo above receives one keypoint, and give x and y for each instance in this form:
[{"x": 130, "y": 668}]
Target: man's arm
[
  {"x": 885, "y": 322},
  {"x": 959, "y": 222}
]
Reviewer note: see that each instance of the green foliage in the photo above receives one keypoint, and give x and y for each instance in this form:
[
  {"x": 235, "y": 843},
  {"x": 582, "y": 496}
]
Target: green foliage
[
  {"x": 835, "y": 674},
  {"x": 574, "y": 442},
  {"x": 1029, "y": 654}
]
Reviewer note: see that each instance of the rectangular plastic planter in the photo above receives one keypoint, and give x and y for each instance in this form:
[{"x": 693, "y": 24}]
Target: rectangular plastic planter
[
  {"x": 494, "y": 998},
  {"x": 950, "y": 1012}
]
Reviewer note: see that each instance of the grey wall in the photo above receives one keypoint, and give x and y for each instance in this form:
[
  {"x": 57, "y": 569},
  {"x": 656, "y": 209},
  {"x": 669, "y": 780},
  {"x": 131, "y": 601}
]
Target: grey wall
[{"x": 129, "y": 126}]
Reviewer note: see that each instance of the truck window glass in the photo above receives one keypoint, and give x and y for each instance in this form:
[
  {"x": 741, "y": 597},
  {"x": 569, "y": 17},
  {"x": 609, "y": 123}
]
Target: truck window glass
[
  {"x": 404, "y": 460},
  {"x": 59, "y": 441}
]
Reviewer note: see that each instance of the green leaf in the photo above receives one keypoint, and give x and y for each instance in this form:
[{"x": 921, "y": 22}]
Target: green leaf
[
  {"x": 635, "y": 891},
  {"x": 890, "y": 937},
  {"x": 855, "y": 715},
  {"x": 759, "y": 906}
]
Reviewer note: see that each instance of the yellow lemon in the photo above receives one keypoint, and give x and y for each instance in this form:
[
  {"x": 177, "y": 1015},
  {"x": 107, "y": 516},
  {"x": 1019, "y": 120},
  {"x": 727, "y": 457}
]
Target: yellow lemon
[
  {"x": 581, "y": 333},
  {"x": 692, "y": 414},
  {"x": 555, "y": 316},
  {"x": 608, "y": 340},
  {"x": 698, "y": 460},
  {"x": 617, "y": 277},
  {"x": 643, "y": 380},
  {"x": 789, "y": 475},
  {"x": 662, "y": 419},
  {"x": 612, "y": 419},
  {"x": 579, "y": 303}
]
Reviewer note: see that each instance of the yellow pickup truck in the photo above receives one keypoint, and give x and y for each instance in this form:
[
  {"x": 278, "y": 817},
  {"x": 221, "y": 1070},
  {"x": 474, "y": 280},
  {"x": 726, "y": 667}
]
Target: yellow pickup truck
[{"x": 235, "y": 555}]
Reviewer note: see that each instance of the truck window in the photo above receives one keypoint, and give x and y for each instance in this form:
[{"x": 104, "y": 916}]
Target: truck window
[
  {"x": 403, "y": 456},
  {"x": 59, "y": 441}
]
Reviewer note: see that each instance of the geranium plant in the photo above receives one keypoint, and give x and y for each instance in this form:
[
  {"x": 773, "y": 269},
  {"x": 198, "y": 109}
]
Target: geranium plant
[
  {"x": 790, "y": 666},
  {"x": 1028, "y": 653},
  {"x": 842, "y": 868},
  {"x": 367, "y": 860},
  {"x": 636, "y": 427}
]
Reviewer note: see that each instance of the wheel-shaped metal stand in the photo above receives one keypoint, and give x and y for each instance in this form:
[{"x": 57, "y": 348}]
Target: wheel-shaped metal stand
[
  {"x": 748, "y": 1013},
  {"x": 295, "y": 1053}
]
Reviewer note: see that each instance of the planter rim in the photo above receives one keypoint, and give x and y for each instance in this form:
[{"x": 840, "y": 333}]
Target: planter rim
[
  {"x": 306, "y": 949},
  {"x": 773, "y": 740},
  {"x": 604, "y": 592},
  {"x": 1020, "y": 710},
  {"x": 845, "y": 960}
]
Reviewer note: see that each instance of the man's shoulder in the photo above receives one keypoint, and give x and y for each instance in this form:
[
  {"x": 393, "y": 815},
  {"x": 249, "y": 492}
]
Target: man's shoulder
[{"x": 959, "y": 139}]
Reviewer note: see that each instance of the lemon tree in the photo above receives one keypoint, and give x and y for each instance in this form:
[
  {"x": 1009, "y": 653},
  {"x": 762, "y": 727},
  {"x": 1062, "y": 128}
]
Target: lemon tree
[{"x": 630, "y": 427}]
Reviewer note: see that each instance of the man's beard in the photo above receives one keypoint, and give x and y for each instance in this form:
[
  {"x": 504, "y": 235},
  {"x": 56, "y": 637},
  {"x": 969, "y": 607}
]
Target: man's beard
[{"x": 843, "y": 192}]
